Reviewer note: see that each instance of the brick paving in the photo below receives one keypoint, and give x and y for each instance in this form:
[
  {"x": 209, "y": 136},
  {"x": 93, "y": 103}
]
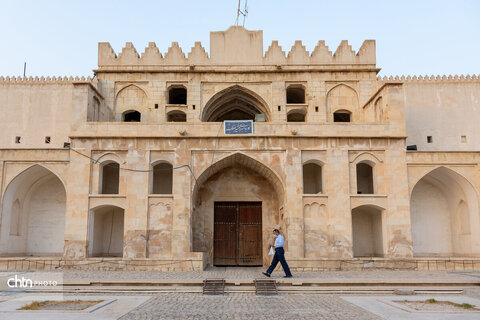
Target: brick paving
[{"x": 248, "y": 306}]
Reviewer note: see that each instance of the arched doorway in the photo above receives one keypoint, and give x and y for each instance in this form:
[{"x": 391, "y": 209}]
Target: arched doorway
[
  {"x": 235, "y": 103},
  {"x": 33, "y": 214},
  {"x": 444, "y": 211},
  {"x": 237, "y": 202}
]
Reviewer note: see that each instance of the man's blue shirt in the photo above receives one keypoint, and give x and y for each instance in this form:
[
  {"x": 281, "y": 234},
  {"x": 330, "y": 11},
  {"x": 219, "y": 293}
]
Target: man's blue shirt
[{"x": 279, "y": 241}]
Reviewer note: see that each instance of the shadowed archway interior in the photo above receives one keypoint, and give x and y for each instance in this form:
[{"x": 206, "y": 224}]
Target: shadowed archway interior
[{"x": 234, "y": 103}]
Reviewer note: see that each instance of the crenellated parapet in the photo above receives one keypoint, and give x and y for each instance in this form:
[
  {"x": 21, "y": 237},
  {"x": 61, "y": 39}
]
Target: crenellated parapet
[
  {"x": 431, "y": 78},
  {"x": 43, "y": 80},
  {"x": 237, "y": 47}
]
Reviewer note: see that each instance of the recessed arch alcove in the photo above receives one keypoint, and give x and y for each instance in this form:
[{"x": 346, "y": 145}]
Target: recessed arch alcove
[
  {"x": 254, "y": 181},
  {"x": 444, "y": 214},
  {"x": 368, "y": 231},
  {"x": 33, "y": 214},
  {"x": 105, "y": 231},
  {"x": 235, "y": 103}
]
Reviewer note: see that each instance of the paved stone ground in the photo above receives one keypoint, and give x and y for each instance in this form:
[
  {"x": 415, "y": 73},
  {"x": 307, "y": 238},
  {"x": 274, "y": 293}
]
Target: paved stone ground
[
  {"x": 252, "y": 273},
  {"x": 248, "y": 306}
]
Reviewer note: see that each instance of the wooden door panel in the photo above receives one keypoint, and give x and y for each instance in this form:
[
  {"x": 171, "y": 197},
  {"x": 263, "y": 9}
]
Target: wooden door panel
[
  {"x": 225, "y": 234},
  {"x": 237, "y": 233},
  {"x": 250, "y": 231}
]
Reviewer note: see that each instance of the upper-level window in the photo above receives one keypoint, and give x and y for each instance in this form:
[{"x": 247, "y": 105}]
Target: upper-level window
[
  {"x": 131, "y": 116},
  {"x": 162, "y": 178},
  {"x": 342, "y": 116},
  {"x": 109, "y": 177},
  {"x": 177, "y": 95},
  {"x": 295, "y": 117},
  {"x": 312, "y": 178},
  {"x": 176, "y": 116},
  {"x": 364, "y": 178},
  {"x": 295, "y": 94}
]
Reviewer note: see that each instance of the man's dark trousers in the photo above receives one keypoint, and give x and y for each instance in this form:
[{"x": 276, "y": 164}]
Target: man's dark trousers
[{"x": 279, "y": 256}]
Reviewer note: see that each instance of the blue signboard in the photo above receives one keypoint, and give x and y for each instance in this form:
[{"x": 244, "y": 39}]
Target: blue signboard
[{"x": 238, "y": 126}]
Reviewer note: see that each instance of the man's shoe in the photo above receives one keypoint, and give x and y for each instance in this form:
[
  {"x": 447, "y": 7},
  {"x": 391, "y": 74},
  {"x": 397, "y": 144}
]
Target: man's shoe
[
  {"x": 266, "y": 274},
  {"x": 287, "y": 276}
]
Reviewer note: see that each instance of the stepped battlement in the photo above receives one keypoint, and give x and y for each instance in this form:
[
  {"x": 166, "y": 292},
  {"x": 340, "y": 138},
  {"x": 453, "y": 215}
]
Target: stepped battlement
[
  {"x": 431, "y": 78},
  {"x": 238, "y": 46},
  {"x": 44, "y": 80}
]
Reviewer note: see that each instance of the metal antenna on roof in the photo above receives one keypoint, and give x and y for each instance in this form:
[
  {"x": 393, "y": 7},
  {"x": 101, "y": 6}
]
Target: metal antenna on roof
[{"x": 244, "y": 13}]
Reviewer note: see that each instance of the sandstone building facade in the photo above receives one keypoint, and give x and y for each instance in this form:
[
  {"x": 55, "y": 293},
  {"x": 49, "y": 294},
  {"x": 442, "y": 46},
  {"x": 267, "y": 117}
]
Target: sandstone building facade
[{"x": 134, "y": 169}]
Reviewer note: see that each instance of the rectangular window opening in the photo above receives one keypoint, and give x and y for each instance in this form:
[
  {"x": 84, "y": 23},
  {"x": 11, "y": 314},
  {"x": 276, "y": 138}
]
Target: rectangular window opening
[
  {"x": 464, "y": 139},
  {"x": 279, "y": 108},
  {"x": 429, "y": 139},
  {"x": 18, "y": 139},
  {"x": 156, "y": 105},
  {"x": 316, "y": 109},
  {"x": 193, "y": 107},
  {"x": 47, "y": 139}
]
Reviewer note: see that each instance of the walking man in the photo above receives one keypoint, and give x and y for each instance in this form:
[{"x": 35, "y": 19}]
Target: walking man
[{"x": 279, "y": 255}]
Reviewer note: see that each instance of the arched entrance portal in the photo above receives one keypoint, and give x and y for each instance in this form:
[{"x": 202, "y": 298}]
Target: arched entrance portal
[
  {"x": 33, "y": 214},
  {"x": 444, "y": 212},
  {"x": 236, "y": 204},
  {"x": 234, "y": 103}
]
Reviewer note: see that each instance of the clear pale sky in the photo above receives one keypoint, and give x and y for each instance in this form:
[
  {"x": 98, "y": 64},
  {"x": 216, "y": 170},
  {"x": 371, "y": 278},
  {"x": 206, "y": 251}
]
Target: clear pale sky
[{"x": 413, "y": 37}]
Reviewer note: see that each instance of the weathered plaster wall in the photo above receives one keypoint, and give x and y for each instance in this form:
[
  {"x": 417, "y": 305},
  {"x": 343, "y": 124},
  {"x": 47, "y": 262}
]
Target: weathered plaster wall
[
  {"x": 34, "y": 111},
  {"x": 446, "y": 110}
]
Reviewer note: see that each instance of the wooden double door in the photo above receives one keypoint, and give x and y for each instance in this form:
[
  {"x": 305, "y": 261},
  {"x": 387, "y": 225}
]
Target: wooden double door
[{"x": 237, "y": 234}]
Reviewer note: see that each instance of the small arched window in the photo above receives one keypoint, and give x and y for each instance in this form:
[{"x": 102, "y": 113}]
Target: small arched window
[
  {"x": 177, "y": 95},
  {"x": 176, "y": 116},
  {"x": 131, "y": 116},
  {"x": 109, "y": 177},
  {"x": 364, "y": 178},
  {"x": 295, "y": 94},
  {"x": 295, "y": 117},
  {"x": 312, "y": 178},
  {"x": 162, "y": 178},
  {"x": 342, "y": 116}
]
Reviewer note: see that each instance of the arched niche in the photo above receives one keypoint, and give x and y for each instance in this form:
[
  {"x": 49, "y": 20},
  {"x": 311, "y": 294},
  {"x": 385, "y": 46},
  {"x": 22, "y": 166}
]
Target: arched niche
[
  {"x": 368, "y": 231},
  {"x": 176, "y": 116},
  {"x": 444, "y": 215},
  {"x": 342, "y": 98},
  {"x": 296, "y": 116},
  {"x": 235, "y": 103},
  {"x": 312, "y": 178},
  {"x": 131, "y": 97},
  {"x": 177, "y": 94},
  {"x": 161, "y": 178},
  {"x": 295, "y": 94},
  {"x": 131, "y": 116},
  {"x": 33, "y": 214},
  {"x": 106, "y": 229}
]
